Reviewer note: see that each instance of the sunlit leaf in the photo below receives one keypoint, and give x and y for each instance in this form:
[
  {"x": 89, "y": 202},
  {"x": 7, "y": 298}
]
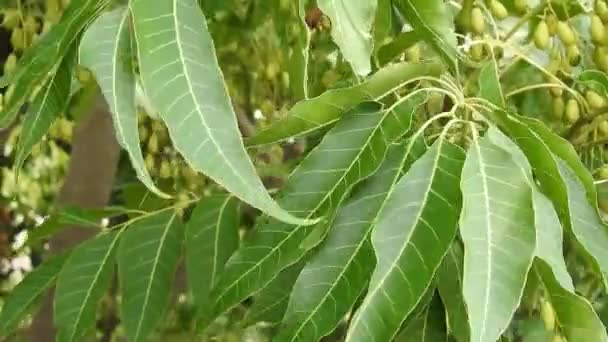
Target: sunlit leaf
[
  {"x": 182, "y": 79},
  {"x": 413, "y": 233},
  {"x": 449, "y": 284}
]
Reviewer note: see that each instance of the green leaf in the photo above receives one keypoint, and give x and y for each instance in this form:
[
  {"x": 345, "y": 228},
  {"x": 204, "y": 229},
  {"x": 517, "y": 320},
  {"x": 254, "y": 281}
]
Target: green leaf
[
  {"x": 212, "y": 235},
  {"x": 392, "y": 50},
  {"x": 497, "y": 227},
  {"x": 299, "y": 55},
  {"x": 449, "y": 284},
  {"x": 349, "y": 153},
  {"x": 337, "y": 274},
  {"x": 410, "y": 239},
  {"x": 489, "y": 84},
  {"x": 182, "y": 79},
  {"x": 45, "y": 108},
  {"x": 351, "y": 24},
  {"x": 81, "y": 284},
  {"x": 147, "y": 259},
  {"x": 594, "y": 79},
  {"x": 106, "y": 50},
  {"x": 44, "y": 56},
  {"x": 428, "y": 326},
  {"x": 575, "y": 315},
  {"x": 310, "y": 115},
  {"x": 435, "y": 25},
  {"x": 383, "y": 24},
  {"x": 24, "y": 296}
]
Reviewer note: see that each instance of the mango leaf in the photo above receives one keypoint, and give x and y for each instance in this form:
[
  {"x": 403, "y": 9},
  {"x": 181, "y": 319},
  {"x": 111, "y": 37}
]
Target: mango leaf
[
  {"x": 497, "y": 227},
  {"x": 574, "y": 314},
  {"x": 41, "y": 59},
  {"x": 24, "y": 296},
  {"x": 433, "y": 22},
  {"x": 392, "y": 50},
  {"x": 449, "y": 284},
  {"x": 410, "y": 239},
  {"x": 428, "y": 326},
  {"x": 337, "y": 274},
  {"x": 81, "y": 284},
  {"x": 45, "y": 108},
  {"x": 182, "y": 79},
  {"x": 349, "y": 153},
  {"x": 299, "y": 55},
  {"x": 383, "y": 24},
  {"x": 594, "y": 79},
  {"x": 489, "y": 84},
  {"x": 351, "y": 24},
  {"x": 147, "y": 259},
  {"x": 106, "y": 50},
  {"x": 313, "y": 114},
  {"x": 212, "y": 235}
]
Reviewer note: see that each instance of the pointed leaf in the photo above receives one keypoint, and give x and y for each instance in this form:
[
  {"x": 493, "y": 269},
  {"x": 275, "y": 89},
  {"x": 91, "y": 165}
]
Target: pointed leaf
[
  {"x": 326, "y": 109},
  {"x": 489, "y": 84},
  {"x": 351, "y": 24},
  {"x": 349, "y": 153},
  {"x": 335, "y": 277},
  {"x": 497, "y": 227},
  {"x": 106, "y": 50},
  {"x": 449, "y": 284},
  {"x": 429, "y": 326},
  {"x": 182, "y": 79},
  {"x": 410, "y": 239},
  {"x": 28, "y": 291},
  {"x": 212, "y": 235},
  {"x": 46, "y": 54},
  {"x": 299, "y": 56},
  {"x": 81, "y": 284},
  {"x": 397, "y": 47},
  {"x": 147, "y": 259}
]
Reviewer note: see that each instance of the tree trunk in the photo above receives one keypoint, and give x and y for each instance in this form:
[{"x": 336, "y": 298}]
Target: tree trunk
[{"x": 88, "y": 184}]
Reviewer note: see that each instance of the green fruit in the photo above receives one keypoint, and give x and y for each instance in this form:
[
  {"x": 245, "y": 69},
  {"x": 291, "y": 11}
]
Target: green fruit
[
  {"x": 547, "y": 314},
  {"x": 601, "y": 9},
  {"x": 11, "y": 19},
  {"x": 597, "y": 30},
  {"x": 565, "y": 33},
  {"x": 572, "y": 111},
  {"x": 10, "y": 64},
  {"x": 434, "y": 103},
  {"x": 551, "y": 23},
  {"x": 595, "y": 100},
  {"x": 478, "y": 23},
  {"x": 521, "y": 6},
  {"x": 413, "y": 53},
  {"x": 603, "y": 173},
  {"x": 573, "y": 54},
  {"x": 498, "y": 10},
  {"x": 541, "y": 36},
  {"x": 153, "y": 143},
  {"x": 18, "y": 39},
  {"x": 603, "y": 129},
  {"x": 165, "y": 170},
  {"x": 31, "y": 25},
  {"x": 149, "y": 162},
  {"x": 476, "y": 52},
  {"x": 558, "y": 107}
]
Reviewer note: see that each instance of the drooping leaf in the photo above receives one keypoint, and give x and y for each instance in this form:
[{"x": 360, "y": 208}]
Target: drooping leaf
[
  {"x": 351, "y": 25},
  {"x": 489, "y": 84},
  {"x": 106, "y": 50},
  {"x": 24, "y": 296},
  {"x": 497, "y": 228},
  {"x": 299, "y": 55},
  {"x": 337, "y": 274},
  {"x": 81, "y": 284},
  {"x": 147, "y": 256},
  {"x": 350, "y": 152},
  {"x": 45, "y": 108},
  {"x": 46, "y": 54},
  {"x": 212, "y": 235},
  {"x": 433, "y": 22},
  {"x": 383, "y": 24},
  {"x": 410, "y": 239},
  {"x": 449, "y": 284},
  {"x": 310, "y": 115},
  {"x": 182, "y": 79},
  {"x": 428, "y": 326}
]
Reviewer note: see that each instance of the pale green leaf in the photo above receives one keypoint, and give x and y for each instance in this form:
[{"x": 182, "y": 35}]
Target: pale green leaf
[
  {"x": 182, "y": 79},
  {"x": 489, "y": 84},
  {"x": 351, "y": 25},
  {"x": 106, "y": 50},
  {"x": 81, "y": 284},
  {"x": 46, "y": 53},
  {"x": 313, "y": 114},
  {"x": 428, "y": 326},
  {"x": 24, "y": 296},
  {"x": 212, "y": 235},
  {"x": 147, "y": 259},
  {"x": 411, "y": 237},
  {"x": 449, "y": 284},
  {"x": 383, "y": 24},
  {"x": 299, "y": 54},
  {"x": 350, "y": 152},
  {"x": 497, "y": 228},
  {"x": 337, "y": 274}
]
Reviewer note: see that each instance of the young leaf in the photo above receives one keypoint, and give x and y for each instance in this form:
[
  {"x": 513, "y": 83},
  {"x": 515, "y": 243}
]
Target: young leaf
[
  {"x": 212, "y": 235},
  {"x": 449, "y": 284},
  {"x": 46, "y": 107},
  {"x": 147, "y": 259},
  {"x": 350, "y": 152},
  {"x": 326, "y": 109},
  {"x": 428, "y": 326},
  {"x": 81, "y": 284},
  {"x": 332, "y": 281},
  {"x": 497, "y": 227},
  {"x": 413, "y": 233},
  {"x": 28, "y": 291},
  {"x": 41, "y": 59},
  {"x": 182, "y": 79},
  {"x": 106, "y": 50},
  {"x": 351, "y": 24}
]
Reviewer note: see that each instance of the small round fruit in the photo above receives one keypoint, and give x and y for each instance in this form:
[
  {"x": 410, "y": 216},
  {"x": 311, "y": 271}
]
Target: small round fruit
[
  {"x": 11, "y": 19},
  {"x": 601, "y": 9},
  {"x": 18, "y": 39},
  {"x": 603, "y": 173},
  {"x": 478, "y": 23},
  {"x": 572, "y": 111},
  {"x": 476, "y": 52},
  {"x": 541, "y": 35},
  {"x": 597, "y": 30},
  {"x": 521, "y": 6},
  {"x": 165, "y": 170},
  {"x": 547, "y": 314},
  {"x": 498, "y": 10},
  {"x": 149, "y": 162},
  {"x": 595, "y": 100},
  {"x": 573, "y": 54},
  {"x": 551, "y": 23},
  {"x": 603, "y": 128},
  {"x": 412, "y": 54},
  {"x": 31, "y": 25},
  {"x": 558, "y": 107},
  {"x": 153, "y": 143},
  {"x": 565, "y": 33},
  {"x": 10, "y": 64}
]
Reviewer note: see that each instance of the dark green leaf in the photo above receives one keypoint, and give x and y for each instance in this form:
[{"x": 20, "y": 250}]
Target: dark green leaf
[
  {"x": 392, "y": 50},
  {"x": 450, "y": 284},
  {"x": 428, "y": 326}
]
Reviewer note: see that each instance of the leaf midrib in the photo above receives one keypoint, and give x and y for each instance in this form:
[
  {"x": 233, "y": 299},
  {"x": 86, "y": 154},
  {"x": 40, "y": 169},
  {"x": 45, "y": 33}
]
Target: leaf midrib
[{"x": 216, "y": 242}]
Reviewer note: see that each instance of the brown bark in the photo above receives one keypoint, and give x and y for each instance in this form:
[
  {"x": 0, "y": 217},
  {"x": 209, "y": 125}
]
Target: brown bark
[{"x": 88, "y": 184}]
